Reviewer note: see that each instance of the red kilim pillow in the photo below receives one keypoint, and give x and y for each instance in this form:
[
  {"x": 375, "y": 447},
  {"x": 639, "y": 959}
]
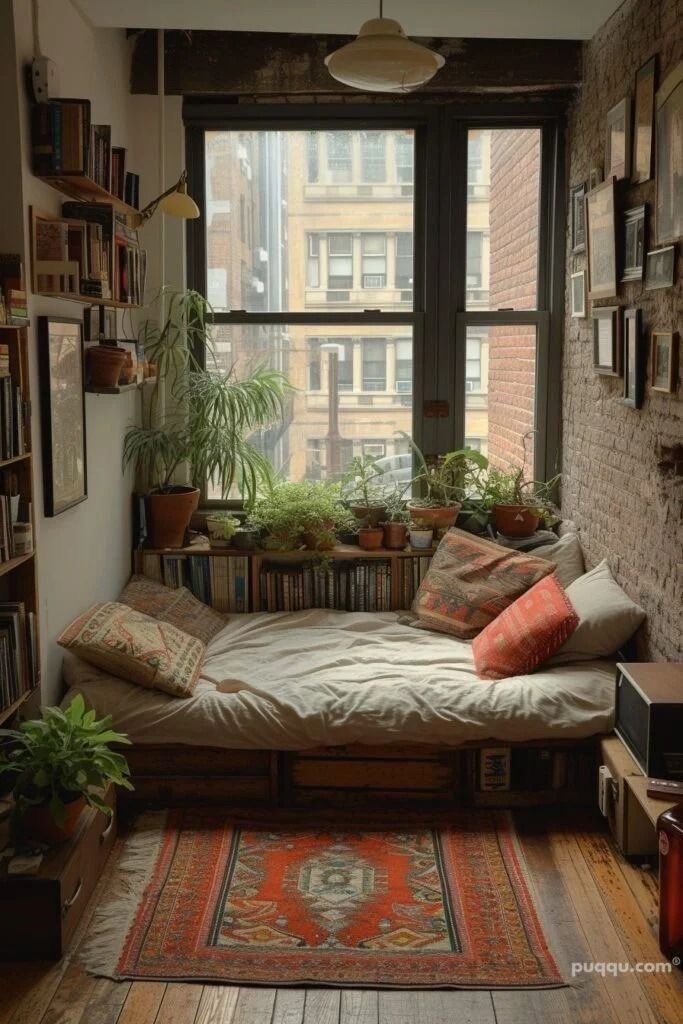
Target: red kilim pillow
[{"x": 527, "y": 633}]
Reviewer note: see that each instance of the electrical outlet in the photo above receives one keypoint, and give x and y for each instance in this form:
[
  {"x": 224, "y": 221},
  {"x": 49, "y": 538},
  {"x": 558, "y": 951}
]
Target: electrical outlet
[{"x": 44, "y": 79}]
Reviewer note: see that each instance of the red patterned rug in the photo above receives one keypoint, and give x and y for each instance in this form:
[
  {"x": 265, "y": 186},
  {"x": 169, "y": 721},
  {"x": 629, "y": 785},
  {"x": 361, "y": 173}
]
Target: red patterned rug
[{"x": 199, "y": 899}]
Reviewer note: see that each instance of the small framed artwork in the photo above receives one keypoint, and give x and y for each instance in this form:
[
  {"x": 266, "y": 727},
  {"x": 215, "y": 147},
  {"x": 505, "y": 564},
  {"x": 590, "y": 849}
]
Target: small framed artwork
[
  {"x": 643, "y": 121},
  {"x": 634, "y": 378},
  {"x": 607, "y": 340},
  {"x": 579, "y": 294},
  {"x": 633, "y": 256},
  {"x": 660, "y": 268},
  {"x": 669, "y": 172},
  {"x": 601, "y": 241},
  {"x": 62, "y": 402},
  {"x": 618, "y": 141},
  {"x": 578, "y": 215},
  {"x": 664, "y": 361}
]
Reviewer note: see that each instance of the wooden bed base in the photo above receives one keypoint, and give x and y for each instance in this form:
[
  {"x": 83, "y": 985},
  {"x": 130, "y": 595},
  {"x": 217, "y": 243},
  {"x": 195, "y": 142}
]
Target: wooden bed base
[{"x": 416, "y": 777}]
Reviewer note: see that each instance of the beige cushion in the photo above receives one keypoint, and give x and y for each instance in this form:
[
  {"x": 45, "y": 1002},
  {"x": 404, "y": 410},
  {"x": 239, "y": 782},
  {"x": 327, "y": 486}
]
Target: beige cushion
[
  {"x": 607, "y": 617},
  {"x": 567, "y": 555},
  {"x": 178, "y": 607},
  {"x": 135, "y": 647}
]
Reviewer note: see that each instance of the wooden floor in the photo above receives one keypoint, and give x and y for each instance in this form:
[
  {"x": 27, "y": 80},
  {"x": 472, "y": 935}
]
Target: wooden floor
[{"x": 594, "y": 907}]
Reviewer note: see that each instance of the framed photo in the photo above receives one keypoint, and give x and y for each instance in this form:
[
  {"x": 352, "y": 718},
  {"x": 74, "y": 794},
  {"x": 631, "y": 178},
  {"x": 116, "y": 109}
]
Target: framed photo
[
  {"x": 634, "y": 378},
  {"x": 607, "y": 340},
  {"x": 578, "y": 215},
  {"x": 579, "y": 294},
  {"x": 643, "y": 121},
  {"x": 618, "y": 141},
  {"x": 670, "y": 157},
  {"x": 601, "y": 241},
  {"x": 62, "y": 402},
  {"x": 660, "y": 268},
  {"x": 633, "y": 255},
  {"x": 664, "y": 361}
]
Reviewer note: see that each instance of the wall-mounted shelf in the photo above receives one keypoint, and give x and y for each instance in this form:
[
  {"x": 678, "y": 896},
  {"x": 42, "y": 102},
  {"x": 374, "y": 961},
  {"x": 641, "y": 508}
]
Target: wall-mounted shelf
[
  {"x": 89, "y": 300},
  {"x": 12, "y": 462},
  {"x": 15, "y": 327},
  {"x": 15, "y": 706},
  {"x": 85, "y": 190},
  {"x": 14, "y": 563}
]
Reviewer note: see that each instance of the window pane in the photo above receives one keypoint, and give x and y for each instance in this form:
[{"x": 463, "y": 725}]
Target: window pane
[
  {"x": 503, "y": 180},
  {"x": 500, "y": 392},
  {"x": 372, "y": 400},
  {"x": 270, "y": 193}
]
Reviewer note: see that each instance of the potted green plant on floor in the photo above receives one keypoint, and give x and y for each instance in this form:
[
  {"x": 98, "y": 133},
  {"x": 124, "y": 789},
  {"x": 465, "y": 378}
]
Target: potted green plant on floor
[
  {"x": 59, "y": 763},
  {"x": 363, "y": 491},
  {"x": 309, "y": 513},
  {"x": 443, "y": 484},
  {"x": 200, "y": 423}
]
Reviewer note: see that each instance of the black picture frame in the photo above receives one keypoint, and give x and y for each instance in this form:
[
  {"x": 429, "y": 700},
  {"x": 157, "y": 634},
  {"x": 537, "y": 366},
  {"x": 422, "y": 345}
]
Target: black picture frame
[
  {"x": 660, "y": 268},
  {"x": 632, "y": 358},
  {"x": 607, "y": 340},
  {"x": 643, "y": 122},
  {"x": 61, "y": 358},
  {"x": 633, "y": 243},
  {"x": 578, "y": 218}
]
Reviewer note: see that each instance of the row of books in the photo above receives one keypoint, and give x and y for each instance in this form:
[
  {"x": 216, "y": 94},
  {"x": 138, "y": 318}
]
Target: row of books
[
  {"x": 354, "y": 586},
  {"x": 19, "y": 671},
  {"x": 533, "y": 768},
  {"x": 12, "y": 423},
  {"x": 13, "y": 296},
  {"x": 222, "y": 583},
  {"x": 412, "y": 572}
]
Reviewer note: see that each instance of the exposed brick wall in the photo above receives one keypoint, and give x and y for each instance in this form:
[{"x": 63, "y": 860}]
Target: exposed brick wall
[{"x": 628, "y": 509}]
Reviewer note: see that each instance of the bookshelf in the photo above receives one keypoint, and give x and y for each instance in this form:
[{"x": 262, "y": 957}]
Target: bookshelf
[
  {"x": 83, "y": 189},
  {"x": 18, "y": 577}
]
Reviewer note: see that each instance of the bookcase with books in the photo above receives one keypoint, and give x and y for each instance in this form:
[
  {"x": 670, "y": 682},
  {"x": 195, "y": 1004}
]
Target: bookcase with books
[{"x": 19, "y": 650}]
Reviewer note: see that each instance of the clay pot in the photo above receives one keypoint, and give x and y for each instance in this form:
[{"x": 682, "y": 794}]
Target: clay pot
[
  {"x": 441, "y": 518},
  {"x": 370, "y": 514},
  {"x": 128, "y": 370},
  {"x": 395, "y": 536},
  {"x": 370, "y": 538},
  {"x": 323, "y": 539},
  {"x": 169, "y": 516},
  {"x": 515, "y": 520},
  {"x": 37, "y": 823},
  {"x": 104, "y": 364}
]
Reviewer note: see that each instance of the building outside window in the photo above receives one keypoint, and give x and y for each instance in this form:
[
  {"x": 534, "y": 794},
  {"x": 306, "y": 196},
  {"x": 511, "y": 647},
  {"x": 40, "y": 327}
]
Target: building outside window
[
  {"x": 340, "y": 261},
  {"x": 345, "y": 356},
  {"x": 312, "y": 158},
  {"x": 374, "y": 364},
  {"x": 404, "y": 259},
  {"x": 374, "y": 260},
  {"x": 473, "y": 364},
  {"x": 405, "y": 158},
  {"x": 339, "y": 157},
  {"x": 373, "y": 163},
  {"x": 404, "y": 366},
  {"x": 475, "y": 253},
  {"x": 313, "y": 260}
]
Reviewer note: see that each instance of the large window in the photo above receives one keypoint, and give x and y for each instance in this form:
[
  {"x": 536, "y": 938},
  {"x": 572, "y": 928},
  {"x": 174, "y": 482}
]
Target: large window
[
  {"x": 372, "y": 156},
  {"x": 340, "y": 157}
]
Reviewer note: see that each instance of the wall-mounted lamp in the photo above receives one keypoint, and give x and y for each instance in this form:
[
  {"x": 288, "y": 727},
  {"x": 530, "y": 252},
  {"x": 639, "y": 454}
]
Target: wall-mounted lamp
[{"x": 174, "y": 201}]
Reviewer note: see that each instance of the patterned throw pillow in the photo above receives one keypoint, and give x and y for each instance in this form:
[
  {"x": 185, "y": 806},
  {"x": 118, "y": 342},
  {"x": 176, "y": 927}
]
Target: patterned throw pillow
[
  {"x": 527, "y": 633},
  {"x": 137, "y": 648},
  {"x": 178, "y": 607},
  {"x": 470, "y": 581}
]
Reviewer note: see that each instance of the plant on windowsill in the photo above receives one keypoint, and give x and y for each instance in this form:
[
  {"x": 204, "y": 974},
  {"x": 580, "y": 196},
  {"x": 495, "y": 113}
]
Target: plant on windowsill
[
  {"x": 203, "y": 426},
  {"x": 421, "y": 534},
  {"x": 443, "y": 484},
  {"x": 519, "y": 505},
  {"x": 309, "y": 513},
  {"x": 362, "y": 490},
  {"x": 221, "y": 527},
  {"x": 396, "y": 521}
]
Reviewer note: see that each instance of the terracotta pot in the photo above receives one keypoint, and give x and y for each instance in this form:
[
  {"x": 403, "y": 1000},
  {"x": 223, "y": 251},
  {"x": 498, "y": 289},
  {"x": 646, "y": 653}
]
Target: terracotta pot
[
  {"x": 370, "y": 538},
  {"x": 169, "y": 516},
  {"x": 323, "y": 539},
  {"x": 441, "y": 518},
  {"x": 370, "y": 514},
  {"x": 395, "y": 536},
  {"x": 515, "y": 520},
  {"x": 103, "y": 365},
  {"x": 128, "y": 371},
  {"x": 37, "y": 823}
]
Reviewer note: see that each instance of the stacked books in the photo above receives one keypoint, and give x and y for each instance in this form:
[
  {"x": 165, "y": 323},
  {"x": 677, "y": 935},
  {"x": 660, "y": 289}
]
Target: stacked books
[
  {"x": 130, "y": 264},
  {"x": 12, "y": 423},
  {"x": 412, "y": 571},
  {"x": 361, "y": 585},
  {"x": 61, "y": 137},
  {"x": 19, "y": 670},
  {"x": 13, "y": 509},
  {"x": 90, "y": 243},
  {"x": 118, "y": 172},
  {"x": 99, "y": 162},
  {"x": 13, "y": 289}
]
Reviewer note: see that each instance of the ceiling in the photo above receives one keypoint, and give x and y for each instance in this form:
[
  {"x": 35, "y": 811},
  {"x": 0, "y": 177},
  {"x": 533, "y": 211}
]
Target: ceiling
[{"x": 520, "y": 19}]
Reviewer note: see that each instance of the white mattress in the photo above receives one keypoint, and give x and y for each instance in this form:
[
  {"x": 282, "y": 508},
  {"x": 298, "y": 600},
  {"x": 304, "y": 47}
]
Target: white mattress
[{"x": 291, "y": 681}]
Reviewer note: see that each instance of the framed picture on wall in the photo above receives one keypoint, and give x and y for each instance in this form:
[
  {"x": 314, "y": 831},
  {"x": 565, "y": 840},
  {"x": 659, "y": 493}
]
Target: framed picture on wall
[
  {"x": 607, "y": 340},
  {"x": 634, "y": 376},
  {"x": 618, "y": 141},
  {"x": 633, "y": 255},
  {"x": 660, "y": 268},
  {"x": 601, "y": 241},
  {"x": 669, "y": 117},
  {"x": 664, "y": 361},
  {"x": 643, "y": 121},
  {"x": 578, "y": 218},
  {"x": 578, "y": 295},
  {"x": 62, "y": 406}
]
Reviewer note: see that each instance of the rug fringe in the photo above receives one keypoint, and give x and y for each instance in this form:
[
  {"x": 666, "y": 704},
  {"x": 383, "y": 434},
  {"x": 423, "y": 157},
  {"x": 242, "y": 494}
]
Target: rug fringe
[{"x": 106, "y": 936}]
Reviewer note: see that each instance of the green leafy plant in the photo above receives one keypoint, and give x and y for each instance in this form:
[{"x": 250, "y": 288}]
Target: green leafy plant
[
  {"x": 446, "y": 480},
  {"x": 362, "y": 486},
  {"x": 222, "y": 525},
  {"x": 208, "y": 415},
  {"x": 288, "y": 511},
  {"x": 61, "y": 756},
  {"x": 396, "y": 511},
  {"x": 512, "y": 488}
]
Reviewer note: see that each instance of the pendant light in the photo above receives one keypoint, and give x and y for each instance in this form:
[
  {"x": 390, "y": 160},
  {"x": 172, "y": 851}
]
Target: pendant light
[{"x": 382, "y": 59}]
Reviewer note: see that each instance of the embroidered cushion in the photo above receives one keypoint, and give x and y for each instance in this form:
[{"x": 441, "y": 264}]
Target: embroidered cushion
[
  {"x": 135, "y": 647},
  {"x": 527, "y": 633},
  {"x": 471, "y": 581},
  {"x": 178, "y": 607}
]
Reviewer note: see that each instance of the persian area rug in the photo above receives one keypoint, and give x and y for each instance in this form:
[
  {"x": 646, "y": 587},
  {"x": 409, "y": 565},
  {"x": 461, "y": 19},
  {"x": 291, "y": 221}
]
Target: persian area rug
[{"x": 196, "y": 898}]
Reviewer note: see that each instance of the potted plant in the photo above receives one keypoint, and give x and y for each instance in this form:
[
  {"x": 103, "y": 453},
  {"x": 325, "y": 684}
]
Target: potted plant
[
  {"x": 59, "y": 763},
  {"x": 362, "y": 489},
  {"x": 396, "y": 523},
  {"x": 203, "y": 424},
  {"x": 421, "y": 534},
  {"x": 294, "y": 513},
  {"x": 246, "y": 537},
  {"x": 370, "y": 538},
  {"x": 103, "y": 364},
  {"x": 520, "y": 505},
  {"x": 443, "y": 484},
  {"x": 221, "y": 527}
]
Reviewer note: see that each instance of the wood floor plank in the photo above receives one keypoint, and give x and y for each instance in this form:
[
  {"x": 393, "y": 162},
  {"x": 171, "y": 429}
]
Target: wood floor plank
[
  {"x": 254, "y": 1006},
  {"x": 532, "y": 1007},
  {"x": 289, "y": 1006},
  {"x": 106, "y": 1002},
  {"x": 180, "y": 1004},
  {"x": 323, "y": 1006},
  {"x": 71, "y": 997},
  {"x": 465, "y": 1007},
  {"x": 217, "y": 1005},
  {"x": 16, "y": 982},
  {"x": 142, "y": 1002},
  {"x": 644, "y": 885},
  {"x": 397, "y": 1008},
  {"x": 359, "y": 1006}
]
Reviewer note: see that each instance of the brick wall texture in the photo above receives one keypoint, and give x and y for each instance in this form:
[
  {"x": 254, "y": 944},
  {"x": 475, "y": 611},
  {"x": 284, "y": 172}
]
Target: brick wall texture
[{"x": 628, "y": 509}]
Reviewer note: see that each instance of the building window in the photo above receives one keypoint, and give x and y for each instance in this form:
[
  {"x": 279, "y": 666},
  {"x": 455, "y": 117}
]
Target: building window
[
  {"x": 473, "y": 364},
  {"x": 404, "y": 259},
  {"x": 373, "y": 157},
  {"x": 475, "y": 258},
  {"x": 405, "y": 159},
  {"x": 339, "y": 157},
  {"x": 374, "y": 260},
  {"x": 475, "y": 159},
  {"x": 374, "y": 364},
  {"x": 312, "y": 158},
  {"x": 340, "y": 261},
  {"x": 377, "y": 449},
  {"x": 404, "y": 366},
  {"x": 313, "y": 261},
  {"x": 345, "y": 355}
]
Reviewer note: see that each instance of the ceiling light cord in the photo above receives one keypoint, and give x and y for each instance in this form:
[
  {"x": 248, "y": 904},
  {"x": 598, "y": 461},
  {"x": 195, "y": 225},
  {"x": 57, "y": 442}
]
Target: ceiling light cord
[{"x": 381, "y": 8}]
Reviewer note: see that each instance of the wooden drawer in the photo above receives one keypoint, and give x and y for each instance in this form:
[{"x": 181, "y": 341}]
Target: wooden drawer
[
  {"x": 151, "y": 760},
  {"x": 183, "y": 790}
]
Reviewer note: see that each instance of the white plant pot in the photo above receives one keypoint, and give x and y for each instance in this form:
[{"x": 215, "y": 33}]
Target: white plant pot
[{"x": 421, "y": 539}]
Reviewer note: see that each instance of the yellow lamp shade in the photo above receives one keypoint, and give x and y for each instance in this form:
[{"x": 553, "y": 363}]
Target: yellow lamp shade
[
  {"x": 383, "y": 59},
  {"x": 179, "y": 204}
]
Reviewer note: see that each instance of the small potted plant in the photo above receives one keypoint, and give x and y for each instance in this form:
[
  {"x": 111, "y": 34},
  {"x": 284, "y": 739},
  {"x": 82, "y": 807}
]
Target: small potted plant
[
  {"x": 396, "y": 523},
  {"x": 309, "y": 512},
  {"x": 59, "y": 763},
  {"x": 362, "y": 489},
  {"x": 443, "y": 484},
  {"x": 246, "y": 537},
  {"x": 421, "y": 534},
  {"x": 519, "y": 505},
  {"x": 221, "y": 527}
]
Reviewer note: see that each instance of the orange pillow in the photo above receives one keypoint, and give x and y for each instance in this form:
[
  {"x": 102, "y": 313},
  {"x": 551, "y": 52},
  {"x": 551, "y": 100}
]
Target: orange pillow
[{"x": 527, "y": 633}]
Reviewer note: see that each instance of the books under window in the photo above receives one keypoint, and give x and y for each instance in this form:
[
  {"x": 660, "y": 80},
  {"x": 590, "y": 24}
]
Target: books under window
[
  {"x": 219, "y": 581},
  {"x": 61, "y": 135},
  {"x": 19, "y": 671},
  {"x": 361, "y": 585},
  {"x": 412, "y": 571}
]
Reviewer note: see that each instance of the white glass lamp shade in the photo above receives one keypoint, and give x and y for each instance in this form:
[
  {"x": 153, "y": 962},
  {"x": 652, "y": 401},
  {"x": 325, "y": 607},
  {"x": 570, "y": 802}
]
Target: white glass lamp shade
[
  {"x": 179, "y": 204},
  {"x": 383, "y": 59}
]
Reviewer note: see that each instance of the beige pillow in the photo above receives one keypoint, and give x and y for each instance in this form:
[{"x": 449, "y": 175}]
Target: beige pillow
[
  {"x": 178, "y": 607},
  {"x": 567, "y": 555},
  {"x": 607, "y": 617},
  {"x": 137, "y": 648}
]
